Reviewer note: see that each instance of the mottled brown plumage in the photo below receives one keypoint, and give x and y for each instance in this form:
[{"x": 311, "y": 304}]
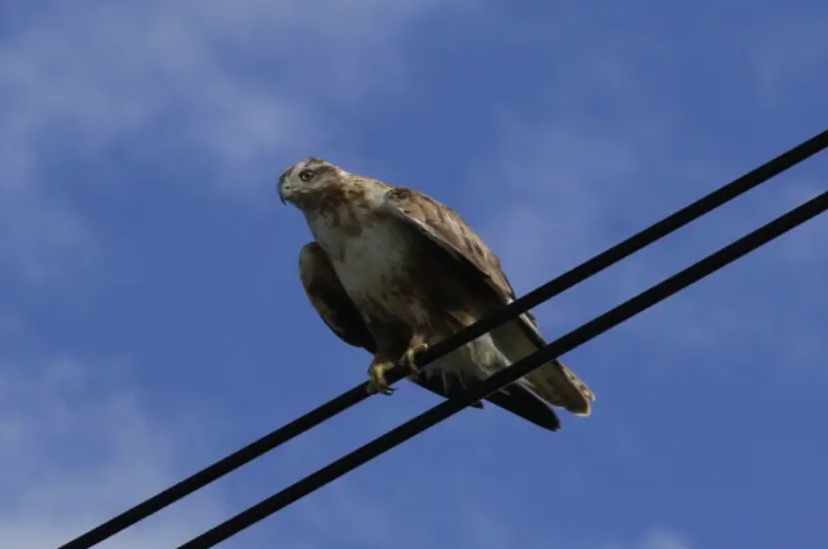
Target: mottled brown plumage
[{"x": 414, "y": 273}]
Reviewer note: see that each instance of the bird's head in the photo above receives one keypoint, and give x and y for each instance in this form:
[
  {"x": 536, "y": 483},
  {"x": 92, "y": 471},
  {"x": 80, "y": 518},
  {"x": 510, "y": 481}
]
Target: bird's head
[{"x": 306, "y": 182}]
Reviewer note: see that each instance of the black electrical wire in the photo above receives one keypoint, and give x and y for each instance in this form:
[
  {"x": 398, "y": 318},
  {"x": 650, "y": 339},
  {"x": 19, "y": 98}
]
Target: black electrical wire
[
  {"x": 560, "y": 346},
  {"x": 359, "y": 393}
]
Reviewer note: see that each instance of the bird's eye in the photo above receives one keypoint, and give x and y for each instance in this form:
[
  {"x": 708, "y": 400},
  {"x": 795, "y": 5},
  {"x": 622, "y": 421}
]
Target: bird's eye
[{"x": 306, "y": 175}]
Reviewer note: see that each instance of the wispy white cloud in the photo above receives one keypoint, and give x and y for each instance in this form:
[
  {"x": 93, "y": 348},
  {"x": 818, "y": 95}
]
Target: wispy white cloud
[
  {"x": 75, "y": 451},
  {"x": 570, "y": 184},
  {"x": 663, "y": 539},
  {"x": 353, "y": 514},
  {"x": 232, "y": 87},
  {"x": 786, "y": 52},
  {"x": 556, "y": 199},
  {"x": 39, "y": 233}
]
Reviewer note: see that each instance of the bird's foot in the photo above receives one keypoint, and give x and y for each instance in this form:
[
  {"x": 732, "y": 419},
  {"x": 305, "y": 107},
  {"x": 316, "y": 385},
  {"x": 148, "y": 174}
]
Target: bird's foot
[
  {"x": 378, "y": 383},
  {"x": 409, "y": 358}
]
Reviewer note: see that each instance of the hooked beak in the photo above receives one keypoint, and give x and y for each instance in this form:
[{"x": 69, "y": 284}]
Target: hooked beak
[{"x": 281, "y": 187}]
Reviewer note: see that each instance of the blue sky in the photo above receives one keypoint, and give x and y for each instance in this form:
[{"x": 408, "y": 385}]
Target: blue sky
[{"x": 152, "y": 320}]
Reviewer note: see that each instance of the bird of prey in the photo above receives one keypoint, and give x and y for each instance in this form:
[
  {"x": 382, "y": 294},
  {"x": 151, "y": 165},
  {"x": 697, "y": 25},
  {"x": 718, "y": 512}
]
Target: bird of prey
[{"x": 394, "y": 271}]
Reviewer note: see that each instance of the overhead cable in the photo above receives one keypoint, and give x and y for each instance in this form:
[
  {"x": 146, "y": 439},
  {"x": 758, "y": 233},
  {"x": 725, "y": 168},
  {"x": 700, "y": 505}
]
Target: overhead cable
[
  {"x": 564, "y": 344},
  {"x": 359, "y": 393}
]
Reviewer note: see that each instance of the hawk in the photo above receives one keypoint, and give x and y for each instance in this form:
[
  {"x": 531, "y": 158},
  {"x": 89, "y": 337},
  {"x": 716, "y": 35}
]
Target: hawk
[{"x": 394, "y": 271}]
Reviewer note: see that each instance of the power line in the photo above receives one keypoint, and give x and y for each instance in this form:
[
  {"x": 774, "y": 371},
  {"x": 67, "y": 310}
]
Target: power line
[
  {"x": 560, "y": 346},
  {"x": 359, "y": 393}
]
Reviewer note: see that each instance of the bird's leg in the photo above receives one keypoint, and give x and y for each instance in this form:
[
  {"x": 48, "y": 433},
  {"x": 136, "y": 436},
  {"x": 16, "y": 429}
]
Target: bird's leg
[
  {"x": 377, "y": 370},
  {"x": 416, "y": 346}
]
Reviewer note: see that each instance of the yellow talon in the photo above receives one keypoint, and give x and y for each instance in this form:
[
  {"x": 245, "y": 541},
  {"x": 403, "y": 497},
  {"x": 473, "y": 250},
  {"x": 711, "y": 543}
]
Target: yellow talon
[
  {"x": 378, "y": 383},
  {"x": 409, "y": 359}
]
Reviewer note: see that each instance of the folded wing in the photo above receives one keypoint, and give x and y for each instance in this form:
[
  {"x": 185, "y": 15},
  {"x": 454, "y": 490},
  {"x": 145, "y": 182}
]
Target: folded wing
[
  {"x": 554, "y": 382},
  {"x": 340, "y": 314}
]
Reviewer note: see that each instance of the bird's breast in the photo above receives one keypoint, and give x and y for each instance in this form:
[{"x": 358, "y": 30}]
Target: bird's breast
[{"x": 370, "y": 264}]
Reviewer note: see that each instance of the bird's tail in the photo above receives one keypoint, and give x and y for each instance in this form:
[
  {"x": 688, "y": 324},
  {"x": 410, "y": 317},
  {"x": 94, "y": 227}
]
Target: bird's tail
[
  {"x": 559, "y": 386},
  {"x": 556, "y": 384}
]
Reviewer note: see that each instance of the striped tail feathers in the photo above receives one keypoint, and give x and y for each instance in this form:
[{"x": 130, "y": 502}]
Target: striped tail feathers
[
  {"x": 560, "y": 386},
  {"x": 553, "y": 382}
]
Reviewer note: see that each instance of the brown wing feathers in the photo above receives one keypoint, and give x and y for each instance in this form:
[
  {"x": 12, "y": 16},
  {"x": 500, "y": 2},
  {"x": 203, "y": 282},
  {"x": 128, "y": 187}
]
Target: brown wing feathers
[
  {"x": 330, "y": 300},
  {"x": 339, "y": 313},
  {"x": 519, "y": 338}
]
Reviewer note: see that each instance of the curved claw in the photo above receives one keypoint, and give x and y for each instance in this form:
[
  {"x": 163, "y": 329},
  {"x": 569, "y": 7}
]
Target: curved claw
[
  {"x": 409, "y": 358},
  {"x": 378, "y": 383}
]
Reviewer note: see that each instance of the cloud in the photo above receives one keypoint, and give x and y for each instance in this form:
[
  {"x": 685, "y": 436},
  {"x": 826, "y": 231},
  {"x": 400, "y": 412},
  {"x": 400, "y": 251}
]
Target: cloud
[
  {"x": 573, "y": 181},
  {"x": 552, "y": 188},
  {"x": 663, "y": 539},
  {"x": 80, "y": 452},
  {"x": 207, "y": 93},
  {"x": 367, "y": 514},
  {"x": 785, "y": 53},
  {"x": 39, "y": 234}
]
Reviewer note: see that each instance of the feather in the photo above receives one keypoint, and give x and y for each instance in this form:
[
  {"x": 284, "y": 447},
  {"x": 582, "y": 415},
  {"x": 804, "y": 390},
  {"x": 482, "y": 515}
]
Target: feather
[
  {"x": 339, "y": 313},
  {"x": 392, "y": 268},
  {"x": 552, "y": 381}
]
